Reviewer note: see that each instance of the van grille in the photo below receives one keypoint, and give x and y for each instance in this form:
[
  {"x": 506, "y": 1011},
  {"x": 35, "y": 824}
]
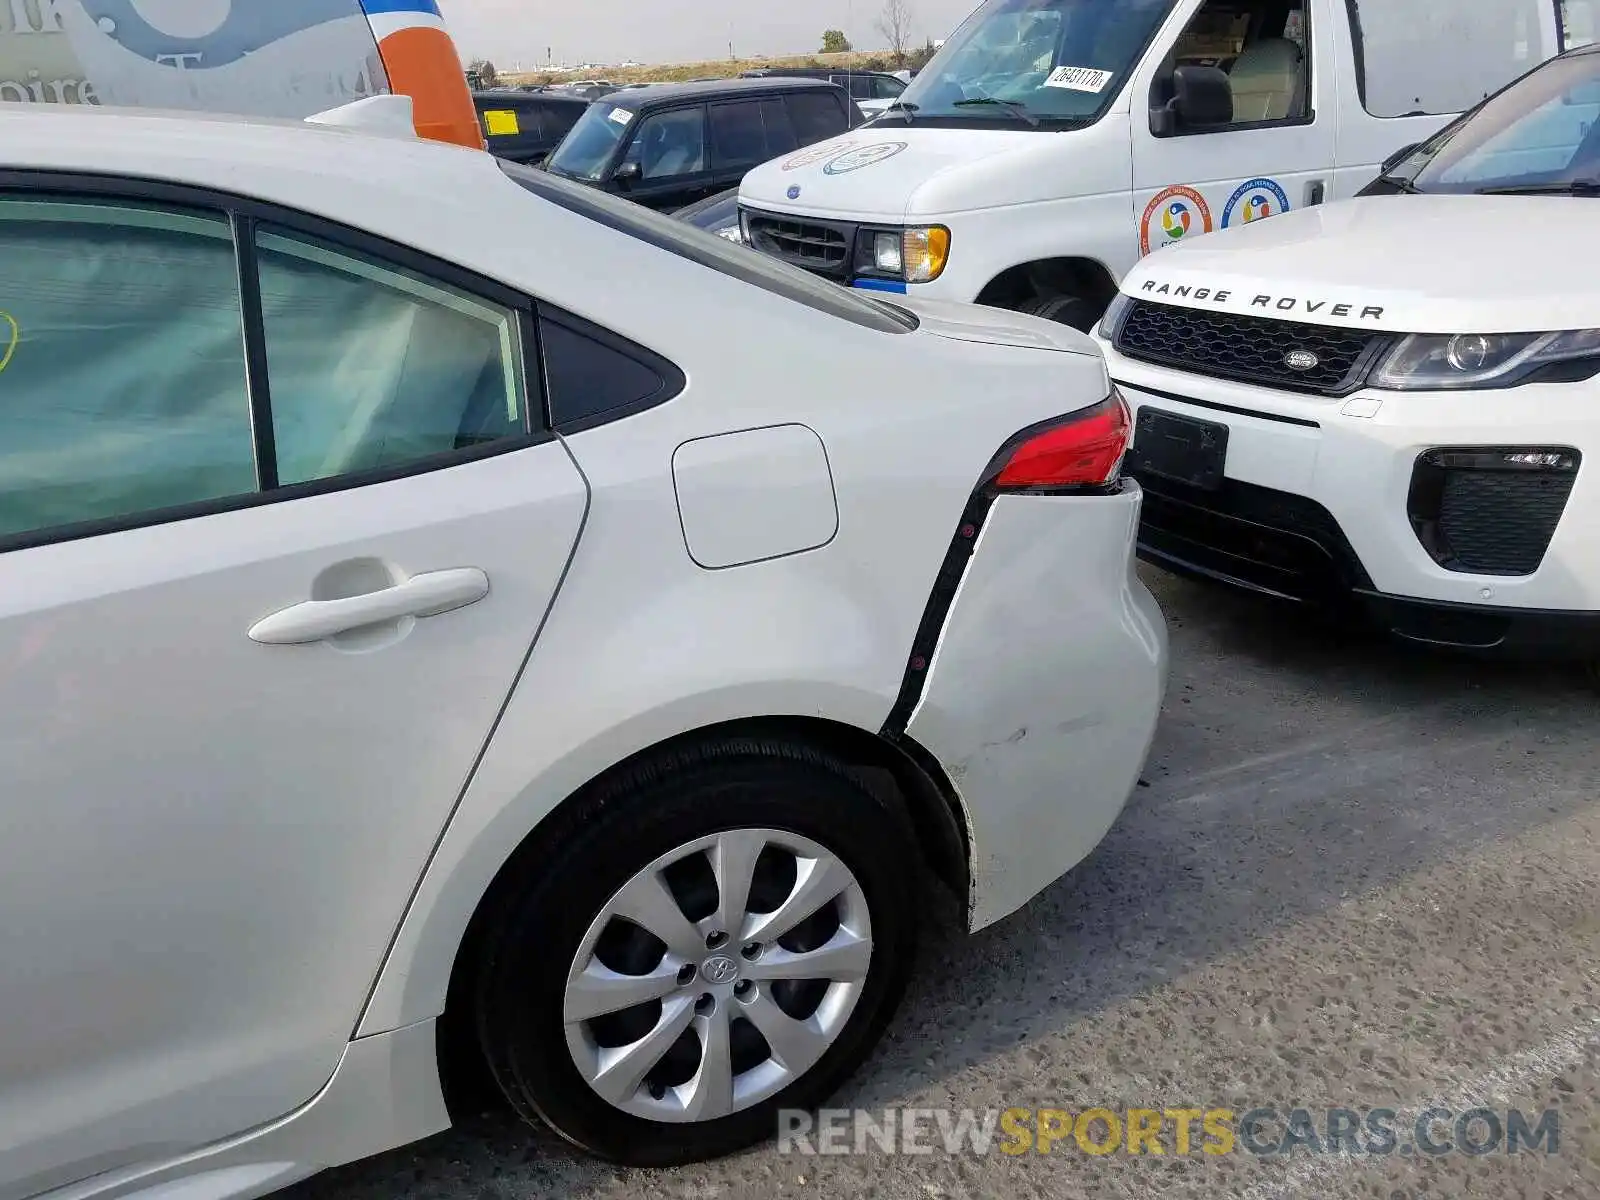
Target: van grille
[
  {"x": 821, "y": 248},
  {"x": 1248, "y": 349}
]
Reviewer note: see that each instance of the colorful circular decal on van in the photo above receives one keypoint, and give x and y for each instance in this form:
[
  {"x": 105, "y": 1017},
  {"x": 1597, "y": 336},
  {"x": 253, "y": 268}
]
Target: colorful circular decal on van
[
  {"x": 866, "y": 156},
  {"x": 1255, "y": 201},
  {"x": 1174, "y": 214},
  {"x": 817, "y": 154}
]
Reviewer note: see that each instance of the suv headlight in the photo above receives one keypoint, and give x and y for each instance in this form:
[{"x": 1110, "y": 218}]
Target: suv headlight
[
  {"x": 1117, "y": 312},
  {"x": 1443, "y": 362}
]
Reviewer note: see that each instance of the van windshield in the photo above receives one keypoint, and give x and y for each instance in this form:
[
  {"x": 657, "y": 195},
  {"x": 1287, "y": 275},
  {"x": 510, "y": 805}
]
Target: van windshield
[
  {"x": 1542, "y": 134},
  {"x": 1038, "y": 63},
  {"x": 587, "y": 149}
]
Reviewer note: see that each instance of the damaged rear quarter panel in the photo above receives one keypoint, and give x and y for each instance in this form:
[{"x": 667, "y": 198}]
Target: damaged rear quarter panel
[{"x": 1042, "y": 700}]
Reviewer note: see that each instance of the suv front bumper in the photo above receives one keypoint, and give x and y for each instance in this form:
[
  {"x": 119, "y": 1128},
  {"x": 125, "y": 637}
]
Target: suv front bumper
[{"x": 1326, "y": 502}]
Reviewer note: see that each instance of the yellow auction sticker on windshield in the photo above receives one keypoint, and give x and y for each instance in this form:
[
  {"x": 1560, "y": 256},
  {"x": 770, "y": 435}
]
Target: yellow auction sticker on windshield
[{"x": 501, "y": 122}]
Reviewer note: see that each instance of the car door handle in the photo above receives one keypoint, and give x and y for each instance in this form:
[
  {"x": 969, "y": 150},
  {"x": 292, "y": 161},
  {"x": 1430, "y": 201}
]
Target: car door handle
[{"x": 420, "y": 596}]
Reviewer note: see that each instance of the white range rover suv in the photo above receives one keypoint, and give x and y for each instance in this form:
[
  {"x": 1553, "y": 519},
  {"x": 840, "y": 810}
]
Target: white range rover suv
[{"x": 1387, "y": 406}]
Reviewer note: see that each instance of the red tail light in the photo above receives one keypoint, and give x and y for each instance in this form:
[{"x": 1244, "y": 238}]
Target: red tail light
[{"x": 1084, "y": 450}]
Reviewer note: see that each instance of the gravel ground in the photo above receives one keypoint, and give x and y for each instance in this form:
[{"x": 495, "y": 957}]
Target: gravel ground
[{"x": 1357, "y": 878}]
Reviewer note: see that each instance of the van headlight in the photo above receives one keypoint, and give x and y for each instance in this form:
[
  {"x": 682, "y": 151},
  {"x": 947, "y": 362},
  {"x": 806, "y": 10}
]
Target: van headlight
[
  {"x": 1443, "y": 362},
  {"x": 888, "y": 253},
  {"x": 925, "y": 253},
  {"x": 915, "y": 255}
]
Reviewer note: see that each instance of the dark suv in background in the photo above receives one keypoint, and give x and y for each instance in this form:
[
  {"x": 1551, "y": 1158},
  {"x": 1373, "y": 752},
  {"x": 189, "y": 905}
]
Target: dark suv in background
[
  {"x": 523, "y": 126},
  {"x": 872, "y": 88},
  {"x": 675, "y": 144}
]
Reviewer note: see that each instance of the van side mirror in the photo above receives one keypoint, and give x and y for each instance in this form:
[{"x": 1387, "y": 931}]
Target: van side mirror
[
  {"x": 1398, "y": 157},
  {"x": 1202, "y": 98},
  {"x": 628, "y": 174}
]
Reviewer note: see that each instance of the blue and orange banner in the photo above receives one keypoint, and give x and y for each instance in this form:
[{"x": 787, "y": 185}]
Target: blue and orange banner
[{"x": 289, "y": 58}]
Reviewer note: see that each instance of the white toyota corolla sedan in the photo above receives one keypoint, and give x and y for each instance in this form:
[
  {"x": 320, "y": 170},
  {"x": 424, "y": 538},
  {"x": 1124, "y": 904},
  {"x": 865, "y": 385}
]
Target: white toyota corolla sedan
[{"x": 447, "y": 611}]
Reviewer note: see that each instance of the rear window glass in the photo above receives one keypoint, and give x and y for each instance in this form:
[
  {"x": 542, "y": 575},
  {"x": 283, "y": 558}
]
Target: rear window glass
[
  {"x": 713, "y": 252},
  {"x": 1419, "y": 59}
]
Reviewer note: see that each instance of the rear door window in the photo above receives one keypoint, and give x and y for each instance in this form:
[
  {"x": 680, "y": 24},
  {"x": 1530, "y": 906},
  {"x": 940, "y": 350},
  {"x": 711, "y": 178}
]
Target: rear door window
[
  {"x": 122, "y": 371},
  {"x": 817, "y": 116},
  {"x": 1418, "y": 59},
  {"x": 747, "y": 133},
  {"x": 738, "y": 135},
  {"x": 781, "y": 137}
]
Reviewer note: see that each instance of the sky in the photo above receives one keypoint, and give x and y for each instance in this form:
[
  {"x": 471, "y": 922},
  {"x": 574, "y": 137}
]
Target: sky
[{"x": 667, "y": 31}]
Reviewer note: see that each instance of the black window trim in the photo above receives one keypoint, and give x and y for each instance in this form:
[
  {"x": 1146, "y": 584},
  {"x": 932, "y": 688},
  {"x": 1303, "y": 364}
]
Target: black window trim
[
  {"x": 1300, "y": 122},
  {"x": 673, "y": 380},
  {"x": 244, "y": 214}
]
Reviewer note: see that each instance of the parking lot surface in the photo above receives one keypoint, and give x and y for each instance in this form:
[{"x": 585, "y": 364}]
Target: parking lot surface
[{"x": 1357, "y": 878}]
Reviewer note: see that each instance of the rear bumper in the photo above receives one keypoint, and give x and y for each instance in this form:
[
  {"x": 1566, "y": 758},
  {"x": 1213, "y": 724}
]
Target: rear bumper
[{"x": 1042, "y": 699}]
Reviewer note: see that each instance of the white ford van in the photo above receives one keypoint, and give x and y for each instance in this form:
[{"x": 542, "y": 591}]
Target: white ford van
[{"x": 1052, "y": 143}]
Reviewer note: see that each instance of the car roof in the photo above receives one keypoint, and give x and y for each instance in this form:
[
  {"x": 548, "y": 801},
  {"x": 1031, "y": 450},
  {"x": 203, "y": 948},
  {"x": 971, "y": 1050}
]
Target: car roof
[
  {"x": 228, "y": 152},
  {"x": 675, "y": 93},
  {"x": 815, "y": 73}
]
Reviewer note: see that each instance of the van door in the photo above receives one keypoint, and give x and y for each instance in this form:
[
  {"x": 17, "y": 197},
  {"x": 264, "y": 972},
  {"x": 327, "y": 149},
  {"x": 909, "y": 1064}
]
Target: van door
[
  {"x": 1275, "y": 155},
  {"x": 1412, "y": 68}
]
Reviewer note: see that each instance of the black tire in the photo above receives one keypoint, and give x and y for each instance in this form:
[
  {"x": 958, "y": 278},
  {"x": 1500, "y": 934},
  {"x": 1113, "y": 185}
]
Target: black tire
[
  {"x": 1063, "y": 310},
  {"x": 610, "y": 837}
]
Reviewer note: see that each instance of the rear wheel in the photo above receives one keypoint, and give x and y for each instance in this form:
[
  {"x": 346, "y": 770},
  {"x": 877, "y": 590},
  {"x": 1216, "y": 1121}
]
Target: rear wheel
[
  {"x": 1064, "y": 310},
  {"x": 724, "y": 935}
]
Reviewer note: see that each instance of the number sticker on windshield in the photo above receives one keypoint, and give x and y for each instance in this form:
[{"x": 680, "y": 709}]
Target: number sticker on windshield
[
  {"x": 1079, "y": 79},
  {"x": 621, "y": 116}
]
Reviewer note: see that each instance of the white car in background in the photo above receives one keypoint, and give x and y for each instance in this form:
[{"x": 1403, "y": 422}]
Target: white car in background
[
  {"x": 521, "y": 641},
  {"x": 1391, "y": 406}
]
